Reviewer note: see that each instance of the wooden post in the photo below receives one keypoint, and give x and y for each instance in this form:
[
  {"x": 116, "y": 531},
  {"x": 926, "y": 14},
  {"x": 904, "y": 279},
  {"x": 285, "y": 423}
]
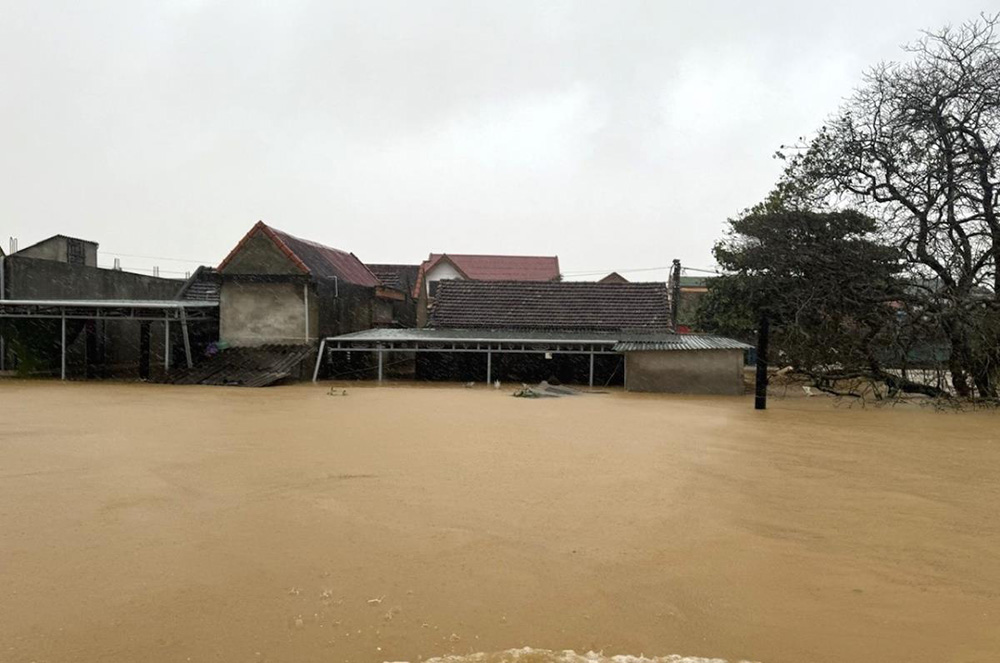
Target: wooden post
[{"x": 760, "y": 399}]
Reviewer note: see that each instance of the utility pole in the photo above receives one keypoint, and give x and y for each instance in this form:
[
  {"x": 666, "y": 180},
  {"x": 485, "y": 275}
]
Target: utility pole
[
  {"x": 675, "y": 292},
  {"x": 760, "y": 395}
]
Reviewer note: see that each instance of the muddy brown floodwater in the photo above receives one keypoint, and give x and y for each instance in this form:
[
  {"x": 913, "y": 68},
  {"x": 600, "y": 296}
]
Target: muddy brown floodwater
[{"x": 156, "y": 523}]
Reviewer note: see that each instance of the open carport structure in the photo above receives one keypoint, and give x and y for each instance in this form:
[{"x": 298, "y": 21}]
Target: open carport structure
[
  {"x": 464, "y": 341},
  {"x": 181, "y": 312}
]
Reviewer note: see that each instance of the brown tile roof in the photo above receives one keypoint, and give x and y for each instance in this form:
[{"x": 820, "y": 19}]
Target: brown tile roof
[
  {"x": 398, "y": 277},
  {"x": 566, "y": 306},
  {"x": 312, "y": 258}
]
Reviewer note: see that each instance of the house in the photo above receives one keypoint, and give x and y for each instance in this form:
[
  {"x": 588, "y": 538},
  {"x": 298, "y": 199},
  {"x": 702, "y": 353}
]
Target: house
[
  {"x": 573, "y": 332},
  {"x": 280, "y": 289},
  {"x": 60, "y": 248},
  {"x": 614, "y": 277},
  {"x": 402, "y": 278},
  {"x": 469, "y": 267}
]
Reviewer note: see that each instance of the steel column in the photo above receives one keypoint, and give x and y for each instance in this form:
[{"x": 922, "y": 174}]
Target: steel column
[
  {"x": 187, "y": 340},
  {"x": 489, "y": 367},
  {"x": 166, "y": 344},
  {"x": 592, "y": 367},
  {"x": 379, "y": 363},
  {"x": 319, "y": 358},
  {"x": 62, "y": 369}
]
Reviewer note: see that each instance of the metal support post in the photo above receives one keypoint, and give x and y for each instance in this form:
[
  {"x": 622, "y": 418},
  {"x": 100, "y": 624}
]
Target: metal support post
[
  {"x": 187, "y": 339},
  {"x": 62, "y": 370}
]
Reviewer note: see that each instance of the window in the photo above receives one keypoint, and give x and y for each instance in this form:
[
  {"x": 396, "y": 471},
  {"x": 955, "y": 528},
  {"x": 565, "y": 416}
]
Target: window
[{"x": 75, "y": 253}]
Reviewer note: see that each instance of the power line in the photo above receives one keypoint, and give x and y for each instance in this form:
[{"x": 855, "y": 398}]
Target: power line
[
  {"x": 641, "y": 269},
  {"x": 130, "y": 255}
]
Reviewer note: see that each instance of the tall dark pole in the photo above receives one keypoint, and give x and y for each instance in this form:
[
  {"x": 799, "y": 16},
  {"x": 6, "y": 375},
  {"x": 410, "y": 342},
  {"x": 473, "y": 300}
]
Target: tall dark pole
[
  {"x": 760, "y": 400},
  {"x": 675, "y": 293}
]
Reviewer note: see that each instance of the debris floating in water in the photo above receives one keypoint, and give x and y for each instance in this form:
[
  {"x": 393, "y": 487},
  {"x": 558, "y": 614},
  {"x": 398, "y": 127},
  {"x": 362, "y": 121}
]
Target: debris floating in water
[{"x": 544, "y": 390}]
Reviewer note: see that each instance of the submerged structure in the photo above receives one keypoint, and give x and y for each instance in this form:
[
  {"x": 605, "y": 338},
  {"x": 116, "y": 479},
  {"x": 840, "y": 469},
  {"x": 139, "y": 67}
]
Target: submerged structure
[{"x": 582, "y": 332}]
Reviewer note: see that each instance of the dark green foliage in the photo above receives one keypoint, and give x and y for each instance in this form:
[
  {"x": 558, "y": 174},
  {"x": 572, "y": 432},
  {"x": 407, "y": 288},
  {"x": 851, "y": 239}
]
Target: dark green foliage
[{"x": 829, "y": 288}]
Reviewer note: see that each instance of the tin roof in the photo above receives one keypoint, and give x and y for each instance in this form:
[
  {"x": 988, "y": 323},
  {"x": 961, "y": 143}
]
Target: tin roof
[
  {"x": 425, "y": 335},
  {"x": 680, "y": 342}
]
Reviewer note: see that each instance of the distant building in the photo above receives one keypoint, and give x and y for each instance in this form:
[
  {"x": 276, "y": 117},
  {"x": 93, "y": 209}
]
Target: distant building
[
  {"x": 614, "y": 277},
  {"x": 469, "y": 267},
  {"x": 692, "y": 289},
  {"x": 60, "y": 248}
]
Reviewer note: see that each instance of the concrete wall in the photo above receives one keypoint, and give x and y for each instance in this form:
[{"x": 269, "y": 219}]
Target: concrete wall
[
  {"x": 35, "y": 278},
  {"x": 259, "y": 313},
  {"x": 106, "y": 348},
  {"x": 685, "y": 371},
  {"x": 55, "y": 249}
]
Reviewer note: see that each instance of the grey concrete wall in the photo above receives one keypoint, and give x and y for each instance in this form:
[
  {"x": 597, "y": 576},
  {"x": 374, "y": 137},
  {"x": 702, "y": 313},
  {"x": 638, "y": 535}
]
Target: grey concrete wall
[
  {"x": 36, "y": 278},
  {"x": 258, "y": 313},
  {"x": 685, "y": 372}
]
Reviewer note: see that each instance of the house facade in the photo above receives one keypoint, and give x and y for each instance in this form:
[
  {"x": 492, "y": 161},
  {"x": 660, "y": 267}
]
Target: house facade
[{"x": 278, "y": 289}]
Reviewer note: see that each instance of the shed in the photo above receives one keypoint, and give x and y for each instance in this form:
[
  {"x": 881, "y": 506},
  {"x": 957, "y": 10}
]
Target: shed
[{"x": 683, "y": 364}]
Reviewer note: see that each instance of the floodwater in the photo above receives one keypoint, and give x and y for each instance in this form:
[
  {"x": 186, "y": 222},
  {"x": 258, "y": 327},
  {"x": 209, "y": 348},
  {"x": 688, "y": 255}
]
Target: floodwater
[{"x": 162, "y": 523}]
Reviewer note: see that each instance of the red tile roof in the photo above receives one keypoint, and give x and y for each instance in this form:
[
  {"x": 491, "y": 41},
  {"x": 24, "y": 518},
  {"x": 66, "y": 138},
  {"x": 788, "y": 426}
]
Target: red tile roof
[
  {"x": 501, "y": 268},
  {"x": 478, "y": 267},
  {"x": 312, "y": 258},
  {"x": 564, "y": 306}
]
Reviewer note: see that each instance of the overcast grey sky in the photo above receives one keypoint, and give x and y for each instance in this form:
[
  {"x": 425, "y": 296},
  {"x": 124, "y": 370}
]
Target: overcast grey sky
[{"x": 617, "y": 135}]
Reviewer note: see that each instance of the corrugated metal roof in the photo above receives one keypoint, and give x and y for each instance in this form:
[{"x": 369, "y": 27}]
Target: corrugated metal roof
[
  {"x": 110, "y": 303},
  {"x": 621, "y": 343},
  {"x": 426, "y": 335},
  {"x": 680, "y": 342}
]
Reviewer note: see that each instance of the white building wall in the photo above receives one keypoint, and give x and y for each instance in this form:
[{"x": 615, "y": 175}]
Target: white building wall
[{"x": 442, "y": 270}]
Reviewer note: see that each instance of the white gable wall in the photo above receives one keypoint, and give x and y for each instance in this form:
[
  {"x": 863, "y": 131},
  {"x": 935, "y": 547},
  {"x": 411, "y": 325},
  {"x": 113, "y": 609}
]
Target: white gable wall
[{"x": 442, "y": 270}]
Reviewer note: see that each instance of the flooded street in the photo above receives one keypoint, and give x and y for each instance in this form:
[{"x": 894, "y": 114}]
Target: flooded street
[{"x": 157, "y": 523}]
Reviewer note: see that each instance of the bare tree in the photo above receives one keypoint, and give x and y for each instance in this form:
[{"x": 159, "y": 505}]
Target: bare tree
[{"x": 917, "y": 147}]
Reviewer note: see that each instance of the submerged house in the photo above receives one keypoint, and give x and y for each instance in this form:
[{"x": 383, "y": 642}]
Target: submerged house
[
  {"x": 61, "y": 314},
  {"x": 575, "y": 332}
]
